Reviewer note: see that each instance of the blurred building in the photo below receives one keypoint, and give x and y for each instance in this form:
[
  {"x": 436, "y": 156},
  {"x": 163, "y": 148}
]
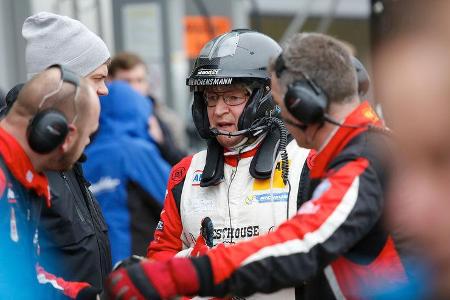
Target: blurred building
[{"x": 169, "y": 33}]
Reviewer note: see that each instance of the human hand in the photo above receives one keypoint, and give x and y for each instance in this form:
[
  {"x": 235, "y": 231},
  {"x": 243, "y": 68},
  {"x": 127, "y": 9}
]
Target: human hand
[{"x": 153, "y": 280}]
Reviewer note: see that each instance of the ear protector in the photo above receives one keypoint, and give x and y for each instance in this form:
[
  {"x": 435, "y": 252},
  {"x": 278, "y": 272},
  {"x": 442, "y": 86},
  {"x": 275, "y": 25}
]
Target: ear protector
[
  {"x": 304, "y": 99},
  {"x": 259, "y": 105},
  {"x": 49, "y": 127}
]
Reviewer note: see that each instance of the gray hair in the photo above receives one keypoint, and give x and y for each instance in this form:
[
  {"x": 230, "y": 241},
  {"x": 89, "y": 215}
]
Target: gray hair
[{"x": 325, "y": 60}]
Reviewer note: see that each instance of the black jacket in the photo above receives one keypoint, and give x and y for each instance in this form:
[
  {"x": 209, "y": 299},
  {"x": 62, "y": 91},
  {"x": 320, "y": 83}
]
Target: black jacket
[{"x": 74, "y": 234}]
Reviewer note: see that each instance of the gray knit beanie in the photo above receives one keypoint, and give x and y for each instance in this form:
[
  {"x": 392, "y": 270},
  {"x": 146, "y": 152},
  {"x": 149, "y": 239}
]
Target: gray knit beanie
[{"x": 54, "y": 39}]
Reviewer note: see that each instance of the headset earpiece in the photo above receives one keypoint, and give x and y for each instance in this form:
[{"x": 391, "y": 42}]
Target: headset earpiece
[
  {"x": 200, "y": 115},
  {"x": 303, "y": 99},
  {"x": 46, "y": 131},
  {"x": 250, "y": 111},
  {"x": 49, "y": 127},
  {"x": 306, "y": 102}
]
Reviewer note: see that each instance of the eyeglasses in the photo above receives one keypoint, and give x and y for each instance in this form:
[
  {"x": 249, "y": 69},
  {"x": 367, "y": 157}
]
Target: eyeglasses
[{"x": 212, "y": 98}]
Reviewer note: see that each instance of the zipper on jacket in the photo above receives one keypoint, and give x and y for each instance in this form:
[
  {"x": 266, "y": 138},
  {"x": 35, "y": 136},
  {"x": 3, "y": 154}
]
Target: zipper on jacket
[
  {"x": 74, "y": 196},
  {"x": 95, "y": 217},
  {"x": 233, "y": 174}
]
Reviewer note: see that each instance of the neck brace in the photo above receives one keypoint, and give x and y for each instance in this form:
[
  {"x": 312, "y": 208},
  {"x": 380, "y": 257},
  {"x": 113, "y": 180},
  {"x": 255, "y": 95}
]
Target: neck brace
[{"x": 260, "y": 167}]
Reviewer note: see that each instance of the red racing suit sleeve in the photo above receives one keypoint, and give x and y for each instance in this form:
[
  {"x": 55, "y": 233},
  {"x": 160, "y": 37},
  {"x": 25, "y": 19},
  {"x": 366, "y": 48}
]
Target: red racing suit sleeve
[
  {"x": 167, "y": 239},
  {"x": 343, "y": 209}
]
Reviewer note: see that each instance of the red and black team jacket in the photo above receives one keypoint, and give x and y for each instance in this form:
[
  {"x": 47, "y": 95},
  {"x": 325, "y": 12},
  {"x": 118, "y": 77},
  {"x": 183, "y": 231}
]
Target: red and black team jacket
[{"x": 335, "y": 246}]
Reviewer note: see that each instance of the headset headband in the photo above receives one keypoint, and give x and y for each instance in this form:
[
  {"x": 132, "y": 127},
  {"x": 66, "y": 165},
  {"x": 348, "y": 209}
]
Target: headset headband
[
  {"x": 66, "y": 76},
  {"x": 280, "y": 67}
]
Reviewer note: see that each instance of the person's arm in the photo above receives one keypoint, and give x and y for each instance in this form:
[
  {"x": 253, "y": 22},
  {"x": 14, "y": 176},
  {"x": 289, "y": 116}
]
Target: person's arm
[
  {"x": 167, "y": 240},
  {"x": 342, "y": 211}
]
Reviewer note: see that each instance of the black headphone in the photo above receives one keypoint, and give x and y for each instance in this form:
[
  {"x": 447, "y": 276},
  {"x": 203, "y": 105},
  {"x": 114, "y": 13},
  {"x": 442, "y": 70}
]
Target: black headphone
[
  {"x": 49, "y": 127},
  {"x": 307, "y": 102},
  {"x": 304, "y": 99}
]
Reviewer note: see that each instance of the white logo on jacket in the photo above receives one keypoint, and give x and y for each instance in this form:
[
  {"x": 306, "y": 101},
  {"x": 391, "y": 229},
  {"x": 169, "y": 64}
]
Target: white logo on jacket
[{"x": 105, "y": 184}]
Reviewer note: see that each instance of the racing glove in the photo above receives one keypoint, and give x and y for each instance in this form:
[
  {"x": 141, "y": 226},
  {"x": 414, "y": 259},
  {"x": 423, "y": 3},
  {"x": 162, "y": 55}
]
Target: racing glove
[{"x": 153, "y": 280}]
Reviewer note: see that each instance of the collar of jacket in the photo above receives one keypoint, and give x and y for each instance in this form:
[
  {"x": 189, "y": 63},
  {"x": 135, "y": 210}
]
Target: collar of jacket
[
  {"x": 21, "y": 168},
  {"x": 232, "y": 157},
  {"x": 363, "y": 116}
]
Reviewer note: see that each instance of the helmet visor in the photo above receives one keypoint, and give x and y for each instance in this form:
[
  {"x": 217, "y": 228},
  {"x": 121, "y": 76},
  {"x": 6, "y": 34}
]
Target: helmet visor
[{"x": 225, "y": 45}]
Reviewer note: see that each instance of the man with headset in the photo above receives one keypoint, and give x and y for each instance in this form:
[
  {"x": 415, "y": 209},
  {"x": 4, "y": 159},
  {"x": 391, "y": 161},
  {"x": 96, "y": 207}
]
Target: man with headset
[
  {"x": 75, "y": 236},
  {"x": 335, "y": 246},
  {"x": 44, "y": 130}
]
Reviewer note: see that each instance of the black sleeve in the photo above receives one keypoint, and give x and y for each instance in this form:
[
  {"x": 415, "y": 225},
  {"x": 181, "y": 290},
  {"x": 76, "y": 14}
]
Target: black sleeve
[{"x": 144, "y": 216}]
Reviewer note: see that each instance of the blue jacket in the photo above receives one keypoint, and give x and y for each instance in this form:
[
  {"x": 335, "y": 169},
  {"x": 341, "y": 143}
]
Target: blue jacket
[{"x": 122, "y": 162}]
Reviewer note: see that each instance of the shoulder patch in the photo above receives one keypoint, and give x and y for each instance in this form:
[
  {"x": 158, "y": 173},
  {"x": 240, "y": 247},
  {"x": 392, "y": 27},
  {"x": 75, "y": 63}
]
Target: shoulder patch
[
  {"x": 178, "y": 174},
  {"x": 179, "y": 171}
]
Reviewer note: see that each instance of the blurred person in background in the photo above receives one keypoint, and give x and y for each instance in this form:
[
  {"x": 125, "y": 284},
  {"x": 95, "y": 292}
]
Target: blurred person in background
[
  {"x": 127, "y": 172},
  {"x": 241, "y": 183},
  {"x": 170, "y": 136},
  {"x": 44, "y": 130},
  {"x": 335, "y": 246},
  {"x": 413, "y": 77},
  {"x": 74, "y": 238},
  {"x": 2, "y": 100}
]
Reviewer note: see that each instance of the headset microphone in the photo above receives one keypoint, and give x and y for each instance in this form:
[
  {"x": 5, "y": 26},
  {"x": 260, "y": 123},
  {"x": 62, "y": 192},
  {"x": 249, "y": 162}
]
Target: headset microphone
[
  {"x": 255, "y": 129},
  {"x": 217, "y": 132},
  {"x": 252, "y": 130},
  {"x": 207, "y": 231}
]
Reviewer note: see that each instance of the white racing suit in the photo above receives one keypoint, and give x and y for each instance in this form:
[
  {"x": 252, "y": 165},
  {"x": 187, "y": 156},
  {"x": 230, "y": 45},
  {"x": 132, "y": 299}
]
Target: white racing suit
[{"x": 239, "y": 206}]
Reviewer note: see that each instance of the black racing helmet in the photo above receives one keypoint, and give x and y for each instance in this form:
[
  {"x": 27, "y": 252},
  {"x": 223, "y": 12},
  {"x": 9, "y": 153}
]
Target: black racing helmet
[{"x": 239, "y": 56}]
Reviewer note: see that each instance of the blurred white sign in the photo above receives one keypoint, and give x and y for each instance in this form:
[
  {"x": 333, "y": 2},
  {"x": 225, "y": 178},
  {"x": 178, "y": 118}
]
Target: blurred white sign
[{"x": 142, "y": 34}]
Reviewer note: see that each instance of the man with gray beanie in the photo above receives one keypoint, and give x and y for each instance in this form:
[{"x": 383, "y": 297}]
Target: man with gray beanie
[
  {"x": 54, "y": 39},
  {"x": 74, "y": 237}
]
